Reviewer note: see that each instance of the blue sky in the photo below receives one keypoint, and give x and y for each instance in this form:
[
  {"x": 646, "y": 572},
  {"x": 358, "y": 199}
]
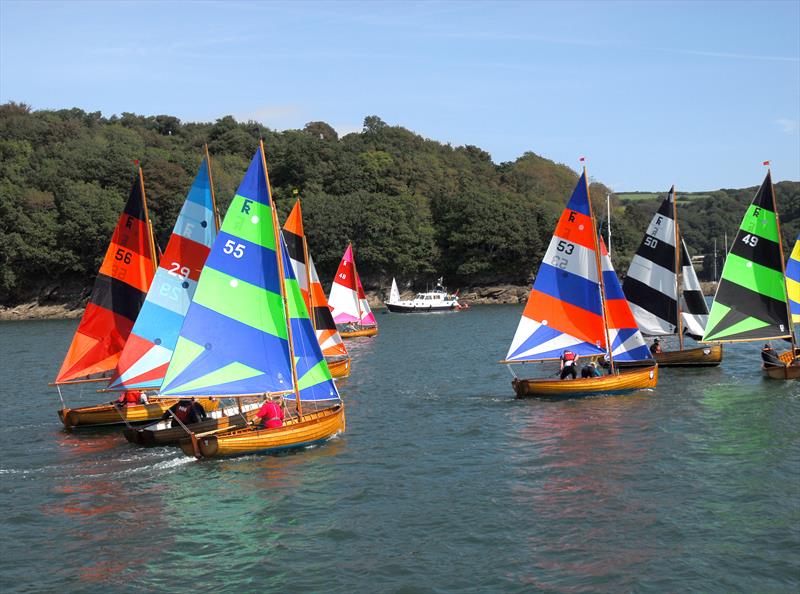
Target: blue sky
[{"x": 695, "y": 94}]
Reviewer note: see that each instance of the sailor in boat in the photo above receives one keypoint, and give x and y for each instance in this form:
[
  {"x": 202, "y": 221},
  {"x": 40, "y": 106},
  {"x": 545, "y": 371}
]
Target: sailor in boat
[
  {"x": 186, "y": 411},
  {"x": 569, "y": 363},
  {"x": 770, "y": 357},
  {"x": 130, "y": 398},
  {"x": 270, "y": 415},
  {"x": 591, "y": 370},
  {"x": 655, "y": 348}
]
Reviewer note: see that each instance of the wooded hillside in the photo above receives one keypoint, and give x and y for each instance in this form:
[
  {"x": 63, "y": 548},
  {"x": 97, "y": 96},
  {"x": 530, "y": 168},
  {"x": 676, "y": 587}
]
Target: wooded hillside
[{"x": 414, "y": 208}]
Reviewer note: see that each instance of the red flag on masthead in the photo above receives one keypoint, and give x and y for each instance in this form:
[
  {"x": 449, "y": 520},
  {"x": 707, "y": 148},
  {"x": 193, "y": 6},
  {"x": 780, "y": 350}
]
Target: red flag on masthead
[{"x": 766, "y": 163}]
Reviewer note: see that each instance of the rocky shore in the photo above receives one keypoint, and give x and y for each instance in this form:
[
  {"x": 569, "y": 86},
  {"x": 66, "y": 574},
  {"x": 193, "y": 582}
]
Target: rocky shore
[{"x": 497, "y": 295}]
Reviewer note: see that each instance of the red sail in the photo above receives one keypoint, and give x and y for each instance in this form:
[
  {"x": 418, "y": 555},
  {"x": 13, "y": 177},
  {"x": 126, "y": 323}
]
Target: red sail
[{"x": 118, "y": 293}]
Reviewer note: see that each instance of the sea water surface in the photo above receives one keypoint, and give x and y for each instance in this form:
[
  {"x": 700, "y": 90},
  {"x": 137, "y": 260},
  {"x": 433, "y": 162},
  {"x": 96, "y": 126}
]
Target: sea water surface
[{"x": 443, "y": 482}]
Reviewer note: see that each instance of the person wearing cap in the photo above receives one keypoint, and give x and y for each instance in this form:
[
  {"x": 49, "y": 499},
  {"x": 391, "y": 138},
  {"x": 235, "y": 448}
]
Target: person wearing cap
[
  {"x": 770, "y": 357},
  {"x": 655, "y": 348}
]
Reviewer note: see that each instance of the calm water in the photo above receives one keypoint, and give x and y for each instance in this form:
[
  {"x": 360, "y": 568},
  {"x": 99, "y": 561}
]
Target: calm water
[{"x": 442, "y": 483}]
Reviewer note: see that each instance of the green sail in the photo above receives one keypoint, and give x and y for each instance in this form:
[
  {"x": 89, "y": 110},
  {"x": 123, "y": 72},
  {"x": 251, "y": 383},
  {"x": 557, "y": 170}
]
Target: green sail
[{"x": 750, "y": 303}]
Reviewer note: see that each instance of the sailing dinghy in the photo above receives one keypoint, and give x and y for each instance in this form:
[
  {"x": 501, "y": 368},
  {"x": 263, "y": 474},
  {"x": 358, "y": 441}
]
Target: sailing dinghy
[
  {"x": 664, "y": 292},
  {"x": 751, "y": 301},
  {"x": 247, "y": 333},
  {"x": 117, "y": 296},
  {"x": 349, "y": 302},
  {"x": 316, "y": 303},
  {"x": 577, "y": 304}
]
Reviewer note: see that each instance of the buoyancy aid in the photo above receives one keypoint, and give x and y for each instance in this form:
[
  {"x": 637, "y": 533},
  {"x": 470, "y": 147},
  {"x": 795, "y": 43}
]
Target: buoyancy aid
[
  {"x": 568, "y": 358},
  {"x": 182, "y": 411}
]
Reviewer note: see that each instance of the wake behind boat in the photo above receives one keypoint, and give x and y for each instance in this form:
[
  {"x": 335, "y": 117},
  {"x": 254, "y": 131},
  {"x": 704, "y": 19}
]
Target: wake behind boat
[{"x": 437, "y": 300}]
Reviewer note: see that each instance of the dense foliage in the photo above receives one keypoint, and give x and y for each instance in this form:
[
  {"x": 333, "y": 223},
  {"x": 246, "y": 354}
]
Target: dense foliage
[{"x": 414, "y": 208}]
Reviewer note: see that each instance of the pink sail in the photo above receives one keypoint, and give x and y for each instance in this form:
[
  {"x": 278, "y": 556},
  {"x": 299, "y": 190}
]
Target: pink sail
[{"x": 347, "y": 299}]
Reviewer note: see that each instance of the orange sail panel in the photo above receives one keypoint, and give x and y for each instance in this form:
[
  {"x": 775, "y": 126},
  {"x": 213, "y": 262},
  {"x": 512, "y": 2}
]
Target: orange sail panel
[{"x": 117, "y": 295}]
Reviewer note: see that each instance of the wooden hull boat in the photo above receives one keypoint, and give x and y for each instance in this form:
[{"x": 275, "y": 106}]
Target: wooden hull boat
[
  {"x": 340, "y": 368},
  {"x": 707, "y": 356},
  {"x": 311, "y": 428},
  {"x": 625, "y": 381},
  {"x": 163, "y": 433},
  {"x": 110, "y": 414},
  {"x": 371, "y": 331},
  {"x": 787, "y": 372}
]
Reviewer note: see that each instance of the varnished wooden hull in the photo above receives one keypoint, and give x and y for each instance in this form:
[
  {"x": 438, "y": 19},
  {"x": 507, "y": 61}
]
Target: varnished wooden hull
[
  {"x": 625, "y": 381},
  {"x": 788, "y": 372},
  {"x": 109, "y": 414},
  {"x": 340, "y": 368},
  {"x": 161, "y": 434},
  {"x": 311, "y": 428},
  {"x": 372, "y": 331},
  {"x": 707, "y": 356}
]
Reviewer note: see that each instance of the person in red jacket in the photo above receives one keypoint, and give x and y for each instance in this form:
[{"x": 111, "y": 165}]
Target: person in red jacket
[
  {"x": 130, "y": 398},
  {"x": 270, "y": 415},
  {"x": 569, "y": 364}
]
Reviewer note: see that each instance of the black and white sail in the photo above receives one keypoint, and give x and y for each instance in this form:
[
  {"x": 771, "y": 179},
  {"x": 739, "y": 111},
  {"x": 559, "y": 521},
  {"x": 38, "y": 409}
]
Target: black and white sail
[
  {"x": 694, "y": 311},
  {"x": 652, "y": 287}
]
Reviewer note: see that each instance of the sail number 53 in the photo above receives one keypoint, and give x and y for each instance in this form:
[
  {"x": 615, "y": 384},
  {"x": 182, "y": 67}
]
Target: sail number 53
[
  {"x": 565, "y": 246},
  {"x": 231, "y": 247}
]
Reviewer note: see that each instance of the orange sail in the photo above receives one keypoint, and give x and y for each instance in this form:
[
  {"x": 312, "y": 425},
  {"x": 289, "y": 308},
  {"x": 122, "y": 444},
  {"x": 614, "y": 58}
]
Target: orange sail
[
  {"x": 118, "y": 293},
  {"x": 316, "y": 302}
]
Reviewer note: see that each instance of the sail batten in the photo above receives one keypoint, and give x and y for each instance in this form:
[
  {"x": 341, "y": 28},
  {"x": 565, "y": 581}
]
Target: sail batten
[{"x": 751, "y": 301}]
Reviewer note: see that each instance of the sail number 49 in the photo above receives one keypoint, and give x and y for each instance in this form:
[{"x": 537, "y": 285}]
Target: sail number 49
[
  {"x": 231, "y": 247},
  {"x": 750, "y": 240}
]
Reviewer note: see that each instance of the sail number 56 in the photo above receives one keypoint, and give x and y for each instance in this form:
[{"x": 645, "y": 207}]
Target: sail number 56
[{"x": 231, "y": 247}]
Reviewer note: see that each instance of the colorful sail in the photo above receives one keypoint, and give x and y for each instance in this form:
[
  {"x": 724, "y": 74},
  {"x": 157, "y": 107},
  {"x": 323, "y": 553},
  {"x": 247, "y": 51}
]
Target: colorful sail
[
  {"x": 347, "y": 299},
  {"x": 235, "y": 338},
  {"x": 627, "y": 343},
  {"x": 149, "y": 348},
  {"x": 750, "y": 303},
  {"x": 694, "y": 311},
  {"x": 651, "y": 285},
  {"x": 315, "y": 299},
  {"x": 793, "y": 282},
  {"x": 564, "y": 310},
  {"x": 117, "y": 296}
]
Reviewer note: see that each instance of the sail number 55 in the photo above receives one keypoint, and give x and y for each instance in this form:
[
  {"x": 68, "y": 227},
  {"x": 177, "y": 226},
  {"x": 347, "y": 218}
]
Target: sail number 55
[{"x": 231, "y": 247}]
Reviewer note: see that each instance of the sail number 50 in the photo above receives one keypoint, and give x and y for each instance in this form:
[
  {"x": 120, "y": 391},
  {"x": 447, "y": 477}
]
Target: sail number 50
[{"x": 231, "y": 247}]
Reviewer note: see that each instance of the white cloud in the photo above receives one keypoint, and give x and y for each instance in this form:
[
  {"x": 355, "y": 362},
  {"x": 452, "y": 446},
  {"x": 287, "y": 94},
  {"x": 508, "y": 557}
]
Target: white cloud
[{"x": 788, "y": 126}]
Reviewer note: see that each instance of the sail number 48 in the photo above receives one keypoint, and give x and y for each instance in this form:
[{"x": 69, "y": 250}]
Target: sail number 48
[
  {"x": 231, "y": 247},
  {"x": 750, "y": 240}
]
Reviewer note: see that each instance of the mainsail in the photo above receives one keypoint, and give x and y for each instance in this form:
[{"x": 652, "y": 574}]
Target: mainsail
[
  {"x": 750, "y": 303},
  {"x": 793, "y": 282},
  {"x": 394, "y": 293},
  {"x": 316, "y": 302},
  {"x": 118, "y": 293},
  {"x": 347, "y": 299},
  {"x": 235, "y": 337},
  {"x": 149, "y": 348},
  {"x": 565, "y": 308},
  {"x": 652, "y": 287}
]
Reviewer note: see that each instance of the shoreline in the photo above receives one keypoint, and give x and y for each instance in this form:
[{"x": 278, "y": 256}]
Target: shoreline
[{"x": 494, "y": 295}]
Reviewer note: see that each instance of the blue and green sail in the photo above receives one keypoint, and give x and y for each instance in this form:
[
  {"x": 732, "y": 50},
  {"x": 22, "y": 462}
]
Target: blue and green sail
[
  {"x": 235, "y": 338},
  {"x": 751, "y": 302},
  {"x": 793, "y": 283}
]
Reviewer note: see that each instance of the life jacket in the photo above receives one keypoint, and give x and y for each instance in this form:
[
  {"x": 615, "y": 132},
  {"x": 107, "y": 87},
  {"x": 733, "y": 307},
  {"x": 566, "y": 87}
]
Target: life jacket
[
  {"x": 569, "y": 357},
  {"x": 182, "y": 411},
  {"x": 132, "y": 397}
]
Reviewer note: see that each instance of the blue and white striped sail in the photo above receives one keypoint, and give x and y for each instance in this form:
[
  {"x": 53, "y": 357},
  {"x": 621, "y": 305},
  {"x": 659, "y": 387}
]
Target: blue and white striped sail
[{"x": 564, "y": 310}]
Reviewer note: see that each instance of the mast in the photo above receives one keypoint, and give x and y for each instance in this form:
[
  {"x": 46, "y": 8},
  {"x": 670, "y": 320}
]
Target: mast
[
  {"x": 677, "y": 266},
  {"x": 308, "y": 274},
  {"x": 358, "y": 282},
  {"x": 152, "y": 241},
  {"x": 211, "y": 185},
  {"x": 783, "y": 264},
  {"x": 282, "y": 277},
  {"x": 599, "y": 271}
]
